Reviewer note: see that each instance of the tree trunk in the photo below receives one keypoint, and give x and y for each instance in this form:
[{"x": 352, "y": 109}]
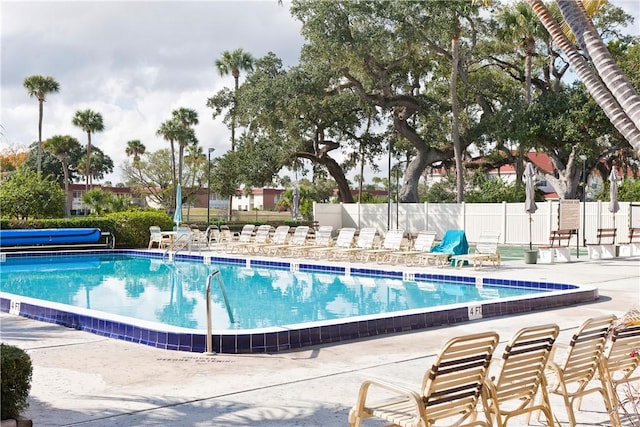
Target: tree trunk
[
  {"x": 455, "y": 122},
  {"x": 425, "y": 156},
  {"x": 606, "y": 67},
  {"x": 87, "y": 172},
  {"x": 40, "y": 111},
  {"x": 65, "y": 171},
  {"x": 335, "y": 171}
]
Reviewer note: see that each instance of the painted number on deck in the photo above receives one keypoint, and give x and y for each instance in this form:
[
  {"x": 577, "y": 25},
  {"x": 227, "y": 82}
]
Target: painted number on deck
[
  {"x": 14, "y": 308},
  {"x": 475, "y": 312}
]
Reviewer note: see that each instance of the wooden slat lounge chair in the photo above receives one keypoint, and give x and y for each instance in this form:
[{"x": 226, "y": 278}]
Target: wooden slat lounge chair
[
  {"x": 520, "y": 375},
  {"x": 453, "y": 387},
  {"x": 573, "y": 377},
  {"x": 620, "y": 363},
  {"x": 486, "y": 250},
  {"x": 344, "y": 240}
]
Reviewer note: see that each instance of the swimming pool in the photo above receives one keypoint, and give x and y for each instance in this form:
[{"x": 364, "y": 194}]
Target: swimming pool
[{"x": 112, "y": 298}]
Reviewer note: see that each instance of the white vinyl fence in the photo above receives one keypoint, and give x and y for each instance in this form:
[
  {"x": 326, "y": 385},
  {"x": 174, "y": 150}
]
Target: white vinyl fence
[{"x": 510, "y": 219}]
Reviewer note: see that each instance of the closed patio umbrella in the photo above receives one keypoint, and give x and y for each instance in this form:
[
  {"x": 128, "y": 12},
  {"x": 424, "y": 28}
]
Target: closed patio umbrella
[
  {"x": 177, "y": 216},
  {"x": 530, "y": 201},
  {"x": 614, "y": 206}
]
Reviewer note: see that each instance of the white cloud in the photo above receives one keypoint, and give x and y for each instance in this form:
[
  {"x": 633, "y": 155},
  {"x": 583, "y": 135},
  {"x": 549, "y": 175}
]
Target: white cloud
[{"x": 133, "y": 62}]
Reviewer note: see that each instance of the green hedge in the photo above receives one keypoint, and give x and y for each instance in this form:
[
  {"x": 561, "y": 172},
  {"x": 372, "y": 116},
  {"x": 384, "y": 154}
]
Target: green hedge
[
  {"x": 15, "y": 376},
  {"x": 131, "y": 228}
]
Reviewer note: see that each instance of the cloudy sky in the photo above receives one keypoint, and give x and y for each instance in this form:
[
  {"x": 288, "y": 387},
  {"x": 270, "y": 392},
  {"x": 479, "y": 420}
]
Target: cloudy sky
[{"x": 135, "y": 62}]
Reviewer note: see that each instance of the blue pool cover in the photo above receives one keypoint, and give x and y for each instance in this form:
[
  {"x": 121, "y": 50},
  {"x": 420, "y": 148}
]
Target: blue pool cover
[{"x": 49, "y": 236}]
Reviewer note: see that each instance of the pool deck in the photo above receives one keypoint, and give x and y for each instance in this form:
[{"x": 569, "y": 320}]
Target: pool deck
[{"x": 84, "y": 379}]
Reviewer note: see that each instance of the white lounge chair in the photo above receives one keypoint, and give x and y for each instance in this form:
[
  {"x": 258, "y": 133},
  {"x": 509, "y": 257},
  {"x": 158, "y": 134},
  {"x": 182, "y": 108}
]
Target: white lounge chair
[
  {"x": 246, "y": 234},
  {"x": 298, "y": 240},
  {"x": 365, "y": 241},
  {"x": 344, "y": 240},
  {"x": 421, "y": 244},
  {"x": 486, "y": 250},
  {"x": 279, "y": 238},
  {"x": 158, "y": 238},
  {"x": 392, "y": 242},
  {"x": 261, "y": 237}
]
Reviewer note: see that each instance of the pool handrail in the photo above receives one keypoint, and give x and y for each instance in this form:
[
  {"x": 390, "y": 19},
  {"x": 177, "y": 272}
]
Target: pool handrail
[{"x": 226, "y": 304}]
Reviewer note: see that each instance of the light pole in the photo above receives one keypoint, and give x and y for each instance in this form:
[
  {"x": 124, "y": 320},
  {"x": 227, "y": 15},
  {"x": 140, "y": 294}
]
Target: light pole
[
  {"x": 398, "y": 194},
  {"x": 211, "y": 150},
  {"x": 389, "y": 187},
  {"x": 584, "y": 199}
]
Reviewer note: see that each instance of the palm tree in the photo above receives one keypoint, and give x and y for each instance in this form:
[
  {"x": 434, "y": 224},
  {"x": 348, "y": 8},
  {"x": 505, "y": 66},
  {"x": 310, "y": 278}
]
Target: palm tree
[
  {"x": 39, "y": 87},
  {"x": 136, "y": 149},
  {"x": 608, "y": 86},
  {"x": 232, "y": 63},
  {"x": 518, "y": 24},
  {"x": 187, "y": 118},
  {"x": 577, "y": 18},
  {"x": 170, "y": 131},
  {"x": 62, "y": 147},
  {"x": 90, "y": 122},
  {"x": 594, "y": 82}
]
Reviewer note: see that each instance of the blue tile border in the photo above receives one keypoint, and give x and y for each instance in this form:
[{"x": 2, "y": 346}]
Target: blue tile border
[{"x": 277, "y": 339}]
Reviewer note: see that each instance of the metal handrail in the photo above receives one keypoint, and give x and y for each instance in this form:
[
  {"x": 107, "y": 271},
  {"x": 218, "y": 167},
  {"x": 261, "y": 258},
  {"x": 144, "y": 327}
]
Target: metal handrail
[
  {"x": 226, "y": 303},
  {"x": 174, "y": 244}
]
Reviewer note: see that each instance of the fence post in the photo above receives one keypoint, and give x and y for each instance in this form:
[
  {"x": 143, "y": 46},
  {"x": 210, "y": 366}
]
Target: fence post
[
  {"x": 503, "y": 233},
  {"x": 463, "y": 213}
]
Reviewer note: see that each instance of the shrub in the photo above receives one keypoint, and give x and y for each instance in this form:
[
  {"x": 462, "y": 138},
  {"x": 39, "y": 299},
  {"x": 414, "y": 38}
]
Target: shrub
[
  {"x": 15, "y": 375},
  {"x": 132, "y": 227}
]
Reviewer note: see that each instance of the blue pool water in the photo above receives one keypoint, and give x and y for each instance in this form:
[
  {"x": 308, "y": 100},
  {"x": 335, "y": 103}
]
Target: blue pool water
[
  {"x": 174, "y": 292},
  {"x": 279, "y": 304}
]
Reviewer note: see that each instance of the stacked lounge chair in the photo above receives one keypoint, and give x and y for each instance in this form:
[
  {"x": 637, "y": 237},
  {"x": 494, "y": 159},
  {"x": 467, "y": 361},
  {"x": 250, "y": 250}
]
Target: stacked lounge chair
[
  {"x": 344, "y": 241},
  {"x": 364, "y": 242},
  {"x": 421, "y": 244}
]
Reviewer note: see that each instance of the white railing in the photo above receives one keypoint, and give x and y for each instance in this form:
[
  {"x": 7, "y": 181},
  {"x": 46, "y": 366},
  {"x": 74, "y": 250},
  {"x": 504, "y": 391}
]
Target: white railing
[{"x": 510, "y": 219}]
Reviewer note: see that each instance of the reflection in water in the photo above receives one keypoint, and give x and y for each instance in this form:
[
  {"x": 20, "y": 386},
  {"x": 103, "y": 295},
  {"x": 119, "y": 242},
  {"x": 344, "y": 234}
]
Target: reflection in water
[{"x": 174, "y": 292}]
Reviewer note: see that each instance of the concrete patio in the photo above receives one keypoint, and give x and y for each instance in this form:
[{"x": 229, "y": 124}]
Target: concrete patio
[{"x": 80, "y": 379}]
